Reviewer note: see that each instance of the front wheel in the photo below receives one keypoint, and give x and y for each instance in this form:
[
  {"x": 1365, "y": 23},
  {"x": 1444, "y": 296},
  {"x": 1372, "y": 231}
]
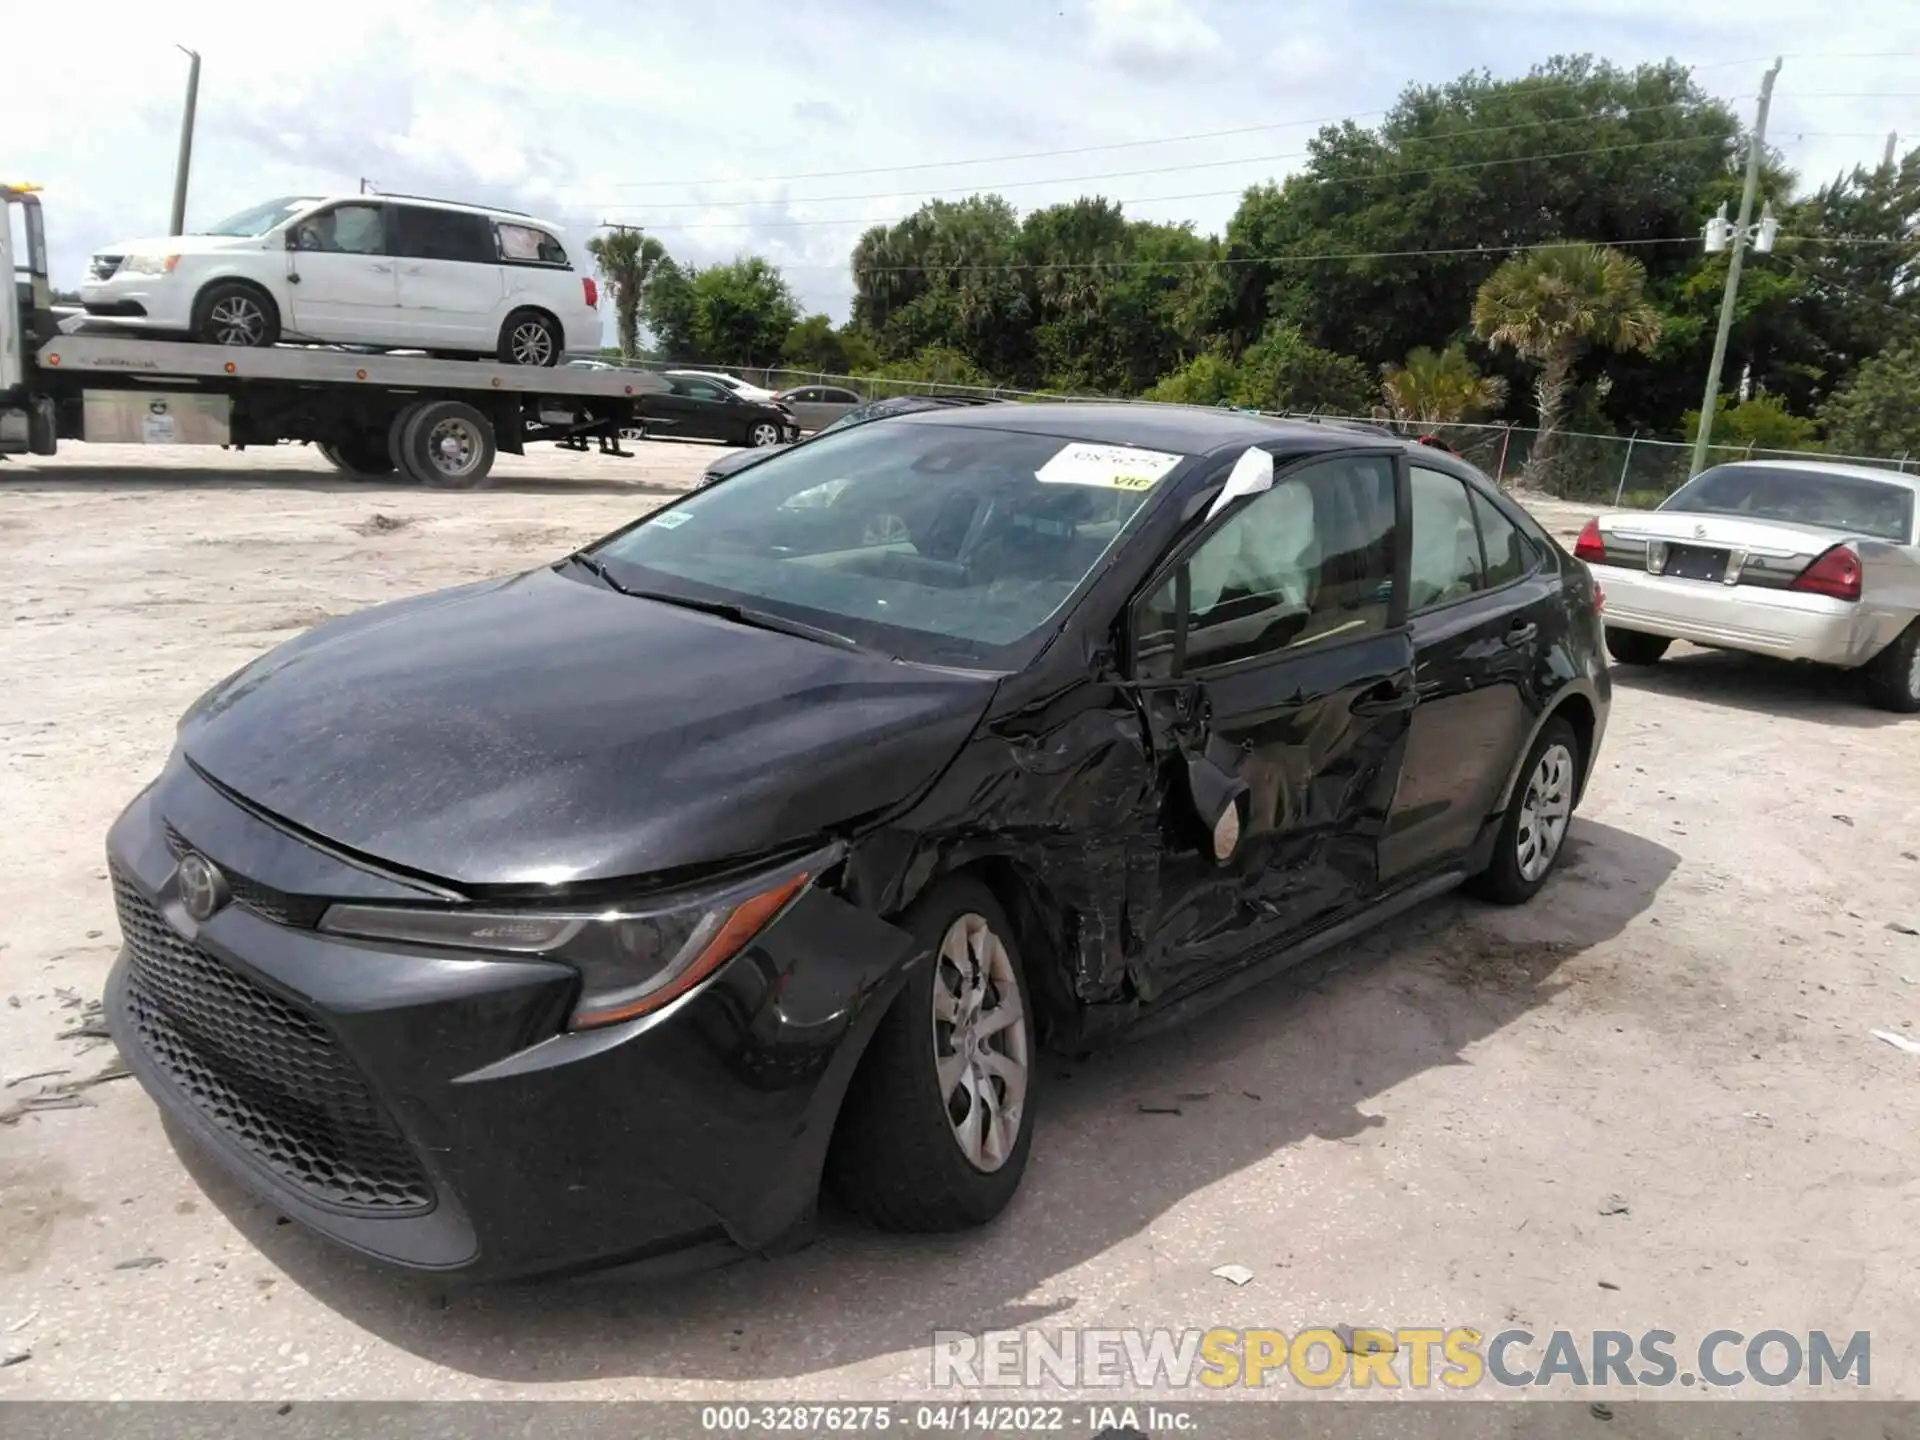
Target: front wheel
[
  {"x": 1534, "y": 828},
  {"x": 1634, "y": 647},
  {"x": 935, "y": 1132},
  {"x": 1893, "y": 676},
  {"x": 231, "y": 312},
  {"x": 763, "y": 434},
  {"x": 529, "y": 338}
]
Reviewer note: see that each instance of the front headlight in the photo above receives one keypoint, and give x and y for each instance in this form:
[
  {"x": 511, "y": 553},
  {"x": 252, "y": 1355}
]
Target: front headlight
[
  {"x": 149, "y": 264},
  {"x": 631, "y": 959}
]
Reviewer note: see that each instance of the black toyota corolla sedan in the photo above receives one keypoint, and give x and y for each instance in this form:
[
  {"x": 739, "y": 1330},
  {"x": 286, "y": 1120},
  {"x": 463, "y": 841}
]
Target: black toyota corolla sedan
[{"x": 609, "y": 909}]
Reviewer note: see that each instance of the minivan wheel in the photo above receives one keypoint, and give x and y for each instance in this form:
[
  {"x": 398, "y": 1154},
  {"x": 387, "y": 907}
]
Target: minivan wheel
[
  {"x": 448, "y": 445},
  {"x": 232, "y": 312},
  {"x": 1635, "y": 647},
  {"x": 529, "y": 338},
  {"x": 1893, "y": 676},
  {"x": 935, "y": 1132},
  {"x": 1533, "y": 832}
]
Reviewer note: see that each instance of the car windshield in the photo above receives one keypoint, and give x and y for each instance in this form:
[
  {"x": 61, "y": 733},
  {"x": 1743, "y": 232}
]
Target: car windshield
[
  {"x": 1804, "y": 497},
  {"x": 875, "y": 411},
  {"x": 937, "y": 543},
  {"x": 260, "y": 219}
]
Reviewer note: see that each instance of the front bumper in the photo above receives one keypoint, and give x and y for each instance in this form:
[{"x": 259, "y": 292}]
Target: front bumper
[
  {"x": 1764, "y": 621},
  {"x": 137, "y": 302},
  {"x": 428, "y": 1109}
]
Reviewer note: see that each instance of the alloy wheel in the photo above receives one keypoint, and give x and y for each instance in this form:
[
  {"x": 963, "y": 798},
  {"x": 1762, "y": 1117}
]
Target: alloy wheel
[
  {"x": 765, "y": 434},
  {"x": 530, "y": 343},
  {"x": 885, "y": 529},
  {"x": 237, "y": 320},
  {"x": 1544, "y": 812},
  {"x": 980, "y": 1042},
  {"x": 1913, "y": 674}
]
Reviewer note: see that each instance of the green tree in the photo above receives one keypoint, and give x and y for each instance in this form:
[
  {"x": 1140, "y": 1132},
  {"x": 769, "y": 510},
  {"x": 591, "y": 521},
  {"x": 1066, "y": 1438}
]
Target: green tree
[
  {"x": 815, "y": 345},
  {"x": 668, "y": 308},
  {"x": 627, "y": 259},
  {"x": 1440, "y": 387},
  {"x": 1764, "y": 423},
  {"x": 1874, "y": 413},
  {"x": 1280, "y": 372},
  {"x": 1549, "y": 305},
  {"x": 1209, "y": 379},
  {"x": 742, "y": 312},
  {"x": 934, "y": 368}
]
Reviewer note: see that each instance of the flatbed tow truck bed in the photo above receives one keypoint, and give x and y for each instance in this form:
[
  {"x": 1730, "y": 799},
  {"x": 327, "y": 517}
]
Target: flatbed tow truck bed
[{"x": 439, "y": 422}]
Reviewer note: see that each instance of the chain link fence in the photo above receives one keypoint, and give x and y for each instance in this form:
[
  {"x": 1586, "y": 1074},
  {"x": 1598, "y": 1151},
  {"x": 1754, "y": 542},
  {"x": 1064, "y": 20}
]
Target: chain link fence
[{"x": 1629, "y": 471}]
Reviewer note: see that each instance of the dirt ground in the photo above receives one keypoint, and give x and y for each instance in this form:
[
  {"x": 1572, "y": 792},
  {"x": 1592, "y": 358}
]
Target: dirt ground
[{"x": 1426, "y": 1135}]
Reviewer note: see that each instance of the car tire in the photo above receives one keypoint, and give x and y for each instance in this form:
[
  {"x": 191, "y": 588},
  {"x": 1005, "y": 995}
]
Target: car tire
[
  {"x": 633, "y": 432},
  {"x": 761, "y": 434},
  {"x": 530, "y": 337},
  {"x": 1635, "y": 647},
  {"x": 1893, "y": 676},
  {"x": 898, "y": 1159},
  {"x": 358, "y": 458},
  {"x": 1549, "y": 782},
  {"x": 449, "y": 445},
  {"x": 232, "y": 312}
]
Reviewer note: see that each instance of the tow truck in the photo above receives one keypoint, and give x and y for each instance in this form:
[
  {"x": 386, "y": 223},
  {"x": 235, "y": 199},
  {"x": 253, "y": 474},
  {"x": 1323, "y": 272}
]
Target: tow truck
[{"x": 435, "y": 422}]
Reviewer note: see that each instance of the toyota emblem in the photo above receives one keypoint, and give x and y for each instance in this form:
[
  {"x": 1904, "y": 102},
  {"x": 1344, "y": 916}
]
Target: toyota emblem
[{"x": 203, "y": 889}]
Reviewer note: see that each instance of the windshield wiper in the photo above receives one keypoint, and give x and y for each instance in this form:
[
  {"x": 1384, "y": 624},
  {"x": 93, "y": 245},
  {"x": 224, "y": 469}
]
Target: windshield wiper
[
  {"x": 594, "y": 567},
  {"x": 755, "y": 619}
]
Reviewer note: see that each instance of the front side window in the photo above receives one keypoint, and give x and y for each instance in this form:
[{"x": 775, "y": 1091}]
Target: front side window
[
  {"x": 344, "y": 230},
  {"x": 703, "y": 390},
  {"x": 443, "y": 235},
  {"x": 938, "y": 543},
  {"x": 1801, "y": 497},
  {"x": 1310, "y": 560}
]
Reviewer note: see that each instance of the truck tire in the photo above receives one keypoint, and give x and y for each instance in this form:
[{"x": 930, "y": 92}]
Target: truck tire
[
  {"x": 357, "y": 458},
  {"x": 449, "y": 445},
  {"x": 397, "y": 438},
  {"x": 232, "y": 312}
]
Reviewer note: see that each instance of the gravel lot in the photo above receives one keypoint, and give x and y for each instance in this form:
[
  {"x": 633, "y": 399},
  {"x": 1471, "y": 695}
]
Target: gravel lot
[{"x": 1426, "y": 1135}]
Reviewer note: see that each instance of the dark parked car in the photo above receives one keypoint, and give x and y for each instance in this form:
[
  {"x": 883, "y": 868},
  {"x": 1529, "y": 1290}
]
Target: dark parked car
[
  {"x": 873, "y": 410},
  {"x": 696, "y": 408},
  {"x": 603, "y": 910}
]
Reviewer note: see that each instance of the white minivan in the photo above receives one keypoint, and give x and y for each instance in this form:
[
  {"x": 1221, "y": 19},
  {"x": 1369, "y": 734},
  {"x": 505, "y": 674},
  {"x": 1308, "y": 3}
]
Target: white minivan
[{"x": 393, "y": 272}]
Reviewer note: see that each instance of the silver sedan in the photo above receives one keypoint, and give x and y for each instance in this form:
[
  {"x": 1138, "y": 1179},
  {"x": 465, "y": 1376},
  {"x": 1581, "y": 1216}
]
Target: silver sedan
[{"x": 1805, "y": 560}]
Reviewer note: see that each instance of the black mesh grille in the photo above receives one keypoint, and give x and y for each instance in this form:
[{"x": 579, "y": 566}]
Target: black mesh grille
[
  {"x": 268, "y": 1075},
  {"x": 265, "y": 901}
]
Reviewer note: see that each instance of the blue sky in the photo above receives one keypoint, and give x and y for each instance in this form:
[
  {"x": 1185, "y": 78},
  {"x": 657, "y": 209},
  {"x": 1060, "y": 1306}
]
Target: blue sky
[{"x": 693, "y": 120}]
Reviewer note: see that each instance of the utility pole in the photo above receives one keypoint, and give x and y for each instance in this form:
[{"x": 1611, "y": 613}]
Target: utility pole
[
  {"x": 1741, "y": 232},
  {"x": 184, "y": 162},
  {"x": 1893, "y": 139}
]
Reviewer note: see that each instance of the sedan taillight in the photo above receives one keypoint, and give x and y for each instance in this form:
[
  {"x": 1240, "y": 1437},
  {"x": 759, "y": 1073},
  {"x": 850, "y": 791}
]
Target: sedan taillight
[
  {"x": 1836, "y": 573},
  {"x": 1590, "y": 547}
]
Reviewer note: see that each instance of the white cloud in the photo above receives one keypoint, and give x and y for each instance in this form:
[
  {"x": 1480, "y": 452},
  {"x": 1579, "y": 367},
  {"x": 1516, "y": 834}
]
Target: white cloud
[
  {"x": 1154, "y": 39},
  {"x": 593, "y": 110}
]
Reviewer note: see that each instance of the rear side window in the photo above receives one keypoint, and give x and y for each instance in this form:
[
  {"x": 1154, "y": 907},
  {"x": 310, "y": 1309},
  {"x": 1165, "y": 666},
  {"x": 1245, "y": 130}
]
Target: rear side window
[
  {"x": 445, "y": 235},
  {"x": 524, "y": 245},
  {"x": 1500, "y": 542},
  {"x": 1446, "y": 545}
]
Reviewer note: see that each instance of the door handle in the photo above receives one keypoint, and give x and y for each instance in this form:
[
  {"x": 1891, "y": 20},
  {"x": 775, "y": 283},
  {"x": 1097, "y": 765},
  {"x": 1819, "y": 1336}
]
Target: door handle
[
  {"x": 1522, "y": 633},
  {"x": 1387, "y": 698}
]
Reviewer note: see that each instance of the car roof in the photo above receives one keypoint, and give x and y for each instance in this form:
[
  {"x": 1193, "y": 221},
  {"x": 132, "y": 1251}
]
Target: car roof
[
  {"x": 1829, "y": 467},
  {"x": 1187, "y": 429}
]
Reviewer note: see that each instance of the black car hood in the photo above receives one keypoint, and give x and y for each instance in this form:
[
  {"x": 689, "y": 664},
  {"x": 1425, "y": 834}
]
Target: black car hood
[{"x": 546, "y": 730}]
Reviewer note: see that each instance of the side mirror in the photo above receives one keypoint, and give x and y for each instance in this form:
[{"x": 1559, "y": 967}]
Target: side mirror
[{"x": 1219, "y": 798}]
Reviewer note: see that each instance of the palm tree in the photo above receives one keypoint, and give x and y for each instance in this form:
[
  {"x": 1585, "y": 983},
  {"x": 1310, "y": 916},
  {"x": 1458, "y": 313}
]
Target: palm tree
[
  {"x": 1439, "y": 387},
  {"x": 627, "y": 259},
  {"x": 1550, "y": 304}
]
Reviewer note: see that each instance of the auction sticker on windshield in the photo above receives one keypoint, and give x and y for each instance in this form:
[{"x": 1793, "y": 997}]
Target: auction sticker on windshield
[{"x": 1110, "y": 467}]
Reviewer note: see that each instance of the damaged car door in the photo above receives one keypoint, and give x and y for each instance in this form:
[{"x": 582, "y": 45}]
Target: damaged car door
[{"x": 1276, "y": 671}]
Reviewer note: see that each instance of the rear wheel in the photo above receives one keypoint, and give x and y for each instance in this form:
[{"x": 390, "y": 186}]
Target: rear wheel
[
  {"x": 232, "y": 312},
  {"x": 1893, "y": 676},
  {"x": 935, "y": 1133},
  {"x": 529, "y": 338},
  {"x": 1633, "y": 647},
  {"x": 359, "y": 457},
  {"x": 448, "y": 445},
  {"x": 1534, "y": 828}
]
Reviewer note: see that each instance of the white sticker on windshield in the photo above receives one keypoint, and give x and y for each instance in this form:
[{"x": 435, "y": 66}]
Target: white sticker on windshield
[
  {"x": 1109, "y": 467},
  {"x": 672, "y": 518}
]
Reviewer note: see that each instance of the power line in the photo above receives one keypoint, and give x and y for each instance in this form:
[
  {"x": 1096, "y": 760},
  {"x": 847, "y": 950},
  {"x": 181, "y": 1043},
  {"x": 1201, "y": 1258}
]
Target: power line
[
  {"x": 1376, "y": 178},
  {"x": 1156, "y": 170},
  {"x": 1538, "y": 89}
]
